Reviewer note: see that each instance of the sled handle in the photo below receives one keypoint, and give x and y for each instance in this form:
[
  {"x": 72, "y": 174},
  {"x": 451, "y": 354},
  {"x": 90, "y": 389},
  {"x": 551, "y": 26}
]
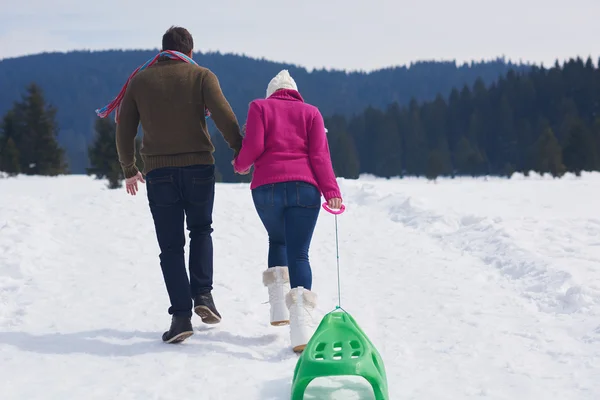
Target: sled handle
[{"x": 334, "y": 212}]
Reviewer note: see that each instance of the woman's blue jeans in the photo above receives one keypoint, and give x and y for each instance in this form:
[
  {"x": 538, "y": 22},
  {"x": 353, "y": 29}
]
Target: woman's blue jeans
[{"x": 289, "y": 212}]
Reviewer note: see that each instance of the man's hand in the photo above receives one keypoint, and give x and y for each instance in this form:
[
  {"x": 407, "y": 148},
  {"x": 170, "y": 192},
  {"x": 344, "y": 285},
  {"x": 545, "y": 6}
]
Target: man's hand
[
  {"x": 131, "y": 184},
  {"x": 334, "y": 204}
]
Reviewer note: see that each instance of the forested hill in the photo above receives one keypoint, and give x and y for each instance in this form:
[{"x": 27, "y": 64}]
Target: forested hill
[
  {"x": 77, "y": 83},
  {"x": 544, "y": 120}
]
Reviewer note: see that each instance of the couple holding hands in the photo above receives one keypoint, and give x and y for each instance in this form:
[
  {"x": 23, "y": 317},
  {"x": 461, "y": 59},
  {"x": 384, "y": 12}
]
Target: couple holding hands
[{"x": 171, "y": 96}]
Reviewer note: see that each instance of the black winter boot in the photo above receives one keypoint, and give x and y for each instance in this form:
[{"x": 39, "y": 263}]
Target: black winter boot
[
  {"x": 204, "y": 306},
  {"x": 181, "y": 329}
]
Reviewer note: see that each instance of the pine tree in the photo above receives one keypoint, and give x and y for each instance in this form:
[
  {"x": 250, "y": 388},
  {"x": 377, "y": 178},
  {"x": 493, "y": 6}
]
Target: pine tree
[
  {"x": 477, "y": 138},
  {"x": 115, "y": 176},
  {"x": 344, "y": 155},
  {"x": 103, "y": 150},
  {"x": 549, "y": 154},
  {"x": 415, "y": 143},
  {"x": 468, "y": 159},
  {"x": 9, "y": 154},
  {"x": 366, "y": 130},
  {"x": 388, "y": 144},
  {"x": 9, "y": 158},
  {"x": 103, "y": 156},
  {"x": 580, "y": 150},
  {"x": 437, "y": 132},
  {"x": 35, "y": 135},
  {"x": 435, "y": 164},
  {"x": 596, "y": 136}
]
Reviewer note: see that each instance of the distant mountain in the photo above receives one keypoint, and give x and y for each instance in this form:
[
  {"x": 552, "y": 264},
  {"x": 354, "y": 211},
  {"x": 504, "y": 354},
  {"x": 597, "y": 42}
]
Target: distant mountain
[{"x": 79, "y": 82}]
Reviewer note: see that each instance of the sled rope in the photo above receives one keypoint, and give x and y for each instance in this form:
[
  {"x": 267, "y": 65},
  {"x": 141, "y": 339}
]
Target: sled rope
[
  {"x": 337, "y": 256},
  {"x": 337, "y": 253}
]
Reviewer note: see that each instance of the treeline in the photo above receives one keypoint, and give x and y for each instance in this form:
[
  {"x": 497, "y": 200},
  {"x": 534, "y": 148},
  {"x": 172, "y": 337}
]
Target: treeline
[
  {"x": 544, "y": 120},
  {"x": 79, "y": 82}
]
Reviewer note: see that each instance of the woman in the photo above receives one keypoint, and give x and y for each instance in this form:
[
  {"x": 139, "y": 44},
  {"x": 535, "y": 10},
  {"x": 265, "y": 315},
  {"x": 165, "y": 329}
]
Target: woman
[{"x": 285, "y": 141}]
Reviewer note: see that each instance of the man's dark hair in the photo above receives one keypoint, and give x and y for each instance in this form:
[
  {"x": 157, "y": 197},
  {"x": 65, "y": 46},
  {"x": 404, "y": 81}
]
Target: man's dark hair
[{"x": 178, "y": 39}]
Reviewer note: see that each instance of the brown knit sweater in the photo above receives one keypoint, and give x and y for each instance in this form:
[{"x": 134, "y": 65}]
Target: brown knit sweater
[{"x": 168, "y": 99}]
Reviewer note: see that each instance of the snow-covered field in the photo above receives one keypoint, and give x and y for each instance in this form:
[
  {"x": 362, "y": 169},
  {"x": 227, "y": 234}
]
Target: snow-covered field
[{"x": 469, "y": 289}]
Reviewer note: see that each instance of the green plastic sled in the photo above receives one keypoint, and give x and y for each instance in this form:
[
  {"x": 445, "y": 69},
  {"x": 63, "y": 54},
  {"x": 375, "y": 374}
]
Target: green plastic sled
[{"x": 339, "y": 347}]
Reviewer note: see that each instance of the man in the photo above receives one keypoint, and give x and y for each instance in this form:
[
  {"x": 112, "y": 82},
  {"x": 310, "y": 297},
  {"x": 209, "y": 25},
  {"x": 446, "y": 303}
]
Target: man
[{"x": 169, "y": 99}]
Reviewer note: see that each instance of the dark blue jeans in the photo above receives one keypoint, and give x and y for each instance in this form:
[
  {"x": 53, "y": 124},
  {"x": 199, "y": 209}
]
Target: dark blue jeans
[
  {"x": 289, "y": 212},
  {"x": 175, "y": 193}
]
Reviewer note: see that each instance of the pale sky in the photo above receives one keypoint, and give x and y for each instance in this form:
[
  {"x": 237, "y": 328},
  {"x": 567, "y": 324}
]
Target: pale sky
[{"x": 340, "y": 34}]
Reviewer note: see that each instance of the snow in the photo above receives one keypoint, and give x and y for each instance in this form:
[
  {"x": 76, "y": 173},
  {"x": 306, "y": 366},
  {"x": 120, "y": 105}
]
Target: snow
[{"x": 469, "y": 288}]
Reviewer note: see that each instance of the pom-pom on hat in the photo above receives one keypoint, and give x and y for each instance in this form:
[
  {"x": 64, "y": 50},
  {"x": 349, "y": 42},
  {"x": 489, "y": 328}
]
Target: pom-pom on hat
[{"x": 282, "y": 80}]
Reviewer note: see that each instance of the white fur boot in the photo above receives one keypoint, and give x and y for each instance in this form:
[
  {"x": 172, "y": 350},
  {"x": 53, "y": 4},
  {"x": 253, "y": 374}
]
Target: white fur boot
[
  {"x": 277, "y": 280},
  {"x": 301, "y": 303}
]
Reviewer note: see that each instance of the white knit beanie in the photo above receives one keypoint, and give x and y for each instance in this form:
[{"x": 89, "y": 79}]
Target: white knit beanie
[{"x": 282, "y": 80}]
